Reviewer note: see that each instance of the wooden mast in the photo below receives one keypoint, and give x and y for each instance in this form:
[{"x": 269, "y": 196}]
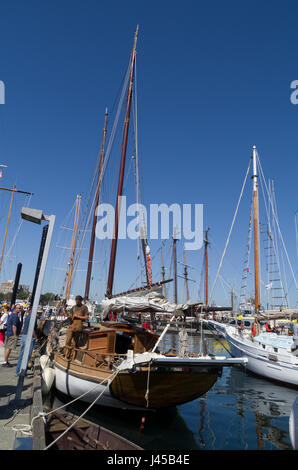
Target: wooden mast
[
  {"x": 73, "y": 246},
  {"x": 186, "y": 278},
  {"x": 256, "y": 231},
  {"x": 97, "y": 195},
  {"x": 163, "y": 273},
  {"x": 175, "y": 266},
  {"x": 13, "y": 191},
  {"x": 206, "y": 265},
  {"x": 121, "y": 173},
  {"x": 7, "y": 224}
]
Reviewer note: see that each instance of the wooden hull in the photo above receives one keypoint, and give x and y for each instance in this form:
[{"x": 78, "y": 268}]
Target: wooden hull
[
  {"x": 167, "y": 386},
  {"x": 84, "y": 435},
  {"x": 74, "y": 379}
]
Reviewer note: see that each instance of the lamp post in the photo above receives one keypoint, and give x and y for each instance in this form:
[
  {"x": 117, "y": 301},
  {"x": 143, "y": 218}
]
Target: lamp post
[{"x": 35, "y": 216}]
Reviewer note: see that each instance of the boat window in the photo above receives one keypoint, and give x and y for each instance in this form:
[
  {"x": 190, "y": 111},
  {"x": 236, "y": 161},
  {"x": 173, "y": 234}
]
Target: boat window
[
  {"x": 275, "y": 349},
  {"x": 247, "y": 323},
  {"x": 264, "y": 346},
  {"x": 233, "y": 322},
  {"x": 123, "y": 343}
]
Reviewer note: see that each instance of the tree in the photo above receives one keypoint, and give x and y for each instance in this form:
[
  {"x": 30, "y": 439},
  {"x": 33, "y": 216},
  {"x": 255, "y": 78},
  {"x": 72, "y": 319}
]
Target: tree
[{"x": 46, "y": 298}]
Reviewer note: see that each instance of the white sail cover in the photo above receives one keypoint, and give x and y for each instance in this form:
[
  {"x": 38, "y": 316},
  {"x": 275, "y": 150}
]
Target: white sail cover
[{"x": 151, "y": 302}]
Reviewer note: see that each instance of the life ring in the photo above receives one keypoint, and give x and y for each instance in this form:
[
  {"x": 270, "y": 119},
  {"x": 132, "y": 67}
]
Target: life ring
[
  {"x": 268, "y": 328},
  {"x": 253, "y": 330}
]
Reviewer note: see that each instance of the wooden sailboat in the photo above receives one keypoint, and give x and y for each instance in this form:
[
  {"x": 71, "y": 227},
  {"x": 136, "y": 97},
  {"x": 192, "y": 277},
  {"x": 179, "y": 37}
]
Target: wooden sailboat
[{"x": 119, "y": 364}]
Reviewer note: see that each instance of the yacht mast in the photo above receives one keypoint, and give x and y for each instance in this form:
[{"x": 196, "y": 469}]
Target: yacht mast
[
  {"x": 73, "y": 247},
  {"x": 121, "y": 173},
  {"x": 206, "y": 243},
  {"x": 175, "y": 267},
  {"x": 256, "y": 231},
  {"x": 13, "y": 191},
  {"x": 97, "y": 195}
]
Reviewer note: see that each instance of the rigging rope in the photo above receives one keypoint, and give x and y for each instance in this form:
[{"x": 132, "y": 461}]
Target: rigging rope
[
  {"x": 229, "y": 236},
  {"x": 27, "y": 428},
  {"x": 277, "y": 224},
  {"x": 83, "y": 414}
]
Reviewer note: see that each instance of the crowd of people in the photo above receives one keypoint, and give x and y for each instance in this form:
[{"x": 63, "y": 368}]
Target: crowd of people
[{"x": 14, "y": 321}]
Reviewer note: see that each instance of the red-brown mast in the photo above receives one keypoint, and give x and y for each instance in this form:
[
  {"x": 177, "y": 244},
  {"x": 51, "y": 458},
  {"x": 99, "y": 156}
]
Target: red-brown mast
[
  {"x": 206, "y": 266},
  {"x": 99, "y": 179},
  {"x": 121, "y": 173},
  {"x": 175, "y": 266}
]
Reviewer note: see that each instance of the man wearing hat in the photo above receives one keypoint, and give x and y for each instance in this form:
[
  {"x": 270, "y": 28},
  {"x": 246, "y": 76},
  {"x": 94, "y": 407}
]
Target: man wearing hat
[{"x": 78, "y": 314}]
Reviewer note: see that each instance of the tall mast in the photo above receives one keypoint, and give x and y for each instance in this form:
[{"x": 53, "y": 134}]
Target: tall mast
[
  {"x": 144, "y": 244},
  {"x": 121, "y": 173},
  {"x": 6, "y": 229},
  {"x": 186, "y": 278},
  {"x": 97, "y": 195},
  {"x": 13, "y": 191},
  {"x": 73, "y": 246},
  {"x": 256, "y": 230},
  {"x": 206, "y": 265},
  {"x": 163, "y": 273},
  {"x": 175, "y": 266}
]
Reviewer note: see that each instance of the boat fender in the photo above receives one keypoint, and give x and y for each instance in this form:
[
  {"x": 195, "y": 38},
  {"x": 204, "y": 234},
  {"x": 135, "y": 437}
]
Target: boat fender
[
  {"x": 253, "y": 330},
  {"x": 48, "y": 374},
  {"x": 48, "y": 377}
]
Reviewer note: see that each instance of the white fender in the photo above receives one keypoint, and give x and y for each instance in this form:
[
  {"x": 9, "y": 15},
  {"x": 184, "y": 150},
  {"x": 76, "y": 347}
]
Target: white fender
[
  {"x": 48, "y": 374},
  {"x": 293, "y": 425}
]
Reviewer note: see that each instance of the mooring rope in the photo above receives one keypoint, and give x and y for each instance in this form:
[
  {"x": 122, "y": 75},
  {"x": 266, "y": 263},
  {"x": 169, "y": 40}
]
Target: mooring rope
[
  {"x": 26, "y": 429},
  {"x": 81, "y": 416}
]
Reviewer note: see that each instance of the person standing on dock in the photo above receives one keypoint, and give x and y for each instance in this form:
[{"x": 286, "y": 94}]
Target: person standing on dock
[
  {"x": 3, "y": 322},
  {"x": 78, "y": 314},
  {"x": 11, "y": 335}
]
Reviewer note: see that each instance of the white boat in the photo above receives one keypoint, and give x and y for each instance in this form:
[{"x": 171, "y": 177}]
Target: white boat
[{"x": 268, "y": 354}]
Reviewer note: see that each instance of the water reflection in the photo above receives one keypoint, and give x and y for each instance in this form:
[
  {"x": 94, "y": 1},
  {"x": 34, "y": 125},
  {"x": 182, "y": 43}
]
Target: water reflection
[{"x": 240, "y": 412}]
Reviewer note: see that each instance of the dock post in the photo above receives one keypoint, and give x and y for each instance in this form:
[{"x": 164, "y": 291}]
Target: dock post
[{"x": 16, "y": 284}]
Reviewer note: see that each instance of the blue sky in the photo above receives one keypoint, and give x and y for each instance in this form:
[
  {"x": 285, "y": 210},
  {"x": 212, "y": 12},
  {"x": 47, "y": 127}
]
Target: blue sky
[{"x": 213, "y": 80}]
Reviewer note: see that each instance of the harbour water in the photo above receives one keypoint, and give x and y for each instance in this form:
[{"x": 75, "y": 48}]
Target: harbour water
[{"x": 240, "y": 412}]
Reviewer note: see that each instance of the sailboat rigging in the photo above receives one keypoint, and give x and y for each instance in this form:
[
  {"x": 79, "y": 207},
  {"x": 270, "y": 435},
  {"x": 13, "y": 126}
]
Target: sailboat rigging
[
  {"x": 122, "y": 361},
  {"x": 269, "y": 354}
]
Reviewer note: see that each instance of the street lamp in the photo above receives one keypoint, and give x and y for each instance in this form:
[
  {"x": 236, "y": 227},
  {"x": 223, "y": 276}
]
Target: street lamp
[{"x": 35, "y": 216}]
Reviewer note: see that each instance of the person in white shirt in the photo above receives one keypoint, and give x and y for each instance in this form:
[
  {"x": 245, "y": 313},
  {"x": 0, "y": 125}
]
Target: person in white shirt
[
  {"x": 4, "y": 318},
  {"x": 3, "y": 321}
]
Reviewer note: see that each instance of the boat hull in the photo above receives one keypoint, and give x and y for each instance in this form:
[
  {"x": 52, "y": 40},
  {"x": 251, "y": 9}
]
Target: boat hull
[
  {"x": 167, "y": 386},
  {"x": 278, "y": 368},
  {"x": 73, "y": 383}
]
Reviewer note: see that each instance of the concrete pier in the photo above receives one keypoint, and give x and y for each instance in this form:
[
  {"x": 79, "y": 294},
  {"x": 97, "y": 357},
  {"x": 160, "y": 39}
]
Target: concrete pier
[{"x": 13, "y": 414}]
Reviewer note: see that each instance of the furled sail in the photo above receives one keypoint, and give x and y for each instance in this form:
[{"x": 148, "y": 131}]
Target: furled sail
[{"x": 152, "y": 302}]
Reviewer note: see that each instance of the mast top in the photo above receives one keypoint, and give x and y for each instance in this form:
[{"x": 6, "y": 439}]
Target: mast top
[
  {"x": 136, "y": 38},
  {"x": 255, "y": 172}
]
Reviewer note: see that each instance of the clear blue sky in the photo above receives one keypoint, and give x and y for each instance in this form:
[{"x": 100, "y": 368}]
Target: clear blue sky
[{"x": 213, "y": 80}]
